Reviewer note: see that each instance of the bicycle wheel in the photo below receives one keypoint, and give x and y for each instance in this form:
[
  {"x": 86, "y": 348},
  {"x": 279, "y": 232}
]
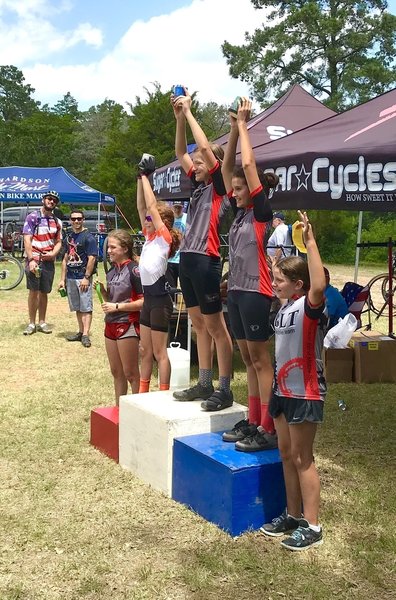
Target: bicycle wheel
[
  {"x": 106, "y": 262},
  {"x": 11, "y": 272},
  {"x": 379, "y": 294}
]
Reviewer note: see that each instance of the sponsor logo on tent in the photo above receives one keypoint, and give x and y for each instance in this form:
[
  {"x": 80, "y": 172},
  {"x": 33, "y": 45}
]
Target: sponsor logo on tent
[
  {"x": 358, "y": 181},
  {"x": 168, "y": 180}
]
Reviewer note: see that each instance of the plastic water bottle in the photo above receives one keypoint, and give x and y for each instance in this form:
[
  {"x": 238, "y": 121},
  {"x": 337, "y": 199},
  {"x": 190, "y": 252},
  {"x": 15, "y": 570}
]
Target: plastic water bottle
[
  {"x": 62, "y": 292},
  {"x": 98, "y": 291},
  {"x": 342, "y": 405}
]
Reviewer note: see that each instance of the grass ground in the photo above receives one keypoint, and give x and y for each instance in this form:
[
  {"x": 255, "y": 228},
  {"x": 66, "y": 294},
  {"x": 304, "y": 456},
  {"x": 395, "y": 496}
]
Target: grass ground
[{"x": 75, "y": 525}]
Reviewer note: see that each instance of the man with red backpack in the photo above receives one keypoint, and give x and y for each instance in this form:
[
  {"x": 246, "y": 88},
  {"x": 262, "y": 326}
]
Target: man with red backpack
[{"x": 42, "y": 235}]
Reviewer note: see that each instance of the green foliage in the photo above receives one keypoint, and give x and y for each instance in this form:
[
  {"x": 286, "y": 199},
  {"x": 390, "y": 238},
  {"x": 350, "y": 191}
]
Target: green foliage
[
  {"x": 43, "y": 139},
  {"x": 67, "y": 106},
  {"x": 213, "y": 119},
  {"x": 15, "y": 95},
  {"x": 377, "y": 229},
  {"x": 342, "y": 51}
]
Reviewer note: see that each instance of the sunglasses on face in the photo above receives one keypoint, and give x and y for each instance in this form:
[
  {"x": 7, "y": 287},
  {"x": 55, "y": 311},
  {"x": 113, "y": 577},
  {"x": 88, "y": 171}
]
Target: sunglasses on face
[
  {"x": 148, "y": 218},
  {"x": 76, "y": 219}
]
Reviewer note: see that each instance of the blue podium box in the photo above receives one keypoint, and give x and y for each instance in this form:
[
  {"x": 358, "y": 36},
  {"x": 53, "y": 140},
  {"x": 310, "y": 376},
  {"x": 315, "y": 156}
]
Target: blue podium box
[{"x": 237, "y": 491}]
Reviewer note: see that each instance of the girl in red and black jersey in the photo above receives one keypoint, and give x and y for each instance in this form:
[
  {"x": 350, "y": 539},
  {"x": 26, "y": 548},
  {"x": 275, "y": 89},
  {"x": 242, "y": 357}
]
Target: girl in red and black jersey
[
  {"x": 200, "y": 267},
  {"x": 123, "y": 297},
  {"x": 249, "y": 282},
  {"x": 162, "y": 242}
]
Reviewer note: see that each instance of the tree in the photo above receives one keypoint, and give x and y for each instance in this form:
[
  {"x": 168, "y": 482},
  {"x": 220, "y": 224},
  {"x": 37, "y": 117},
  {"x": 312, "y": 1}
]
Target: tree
[
  {"x": 67, "y": 106},
  {"x": 342, "y": 51},
  {"x": 213, "y": 119},
  {"x": 15, "y": 96},
  {"x": 42, "y": 140}
]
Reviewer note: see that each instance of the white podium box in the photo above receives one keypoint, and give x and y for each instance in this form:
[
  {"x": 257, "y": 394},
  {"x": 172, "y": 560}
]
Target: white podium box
[{"x": 149, "y": 423}]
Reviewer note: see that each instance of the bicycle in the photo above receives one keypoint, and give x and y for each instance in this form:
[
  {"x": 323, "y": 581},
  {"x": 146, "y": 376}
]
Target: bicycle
[
  {"x": 11, "y": 270},
  {"x": 13, "y": 239},
  {"x": 380, "y": 291}
]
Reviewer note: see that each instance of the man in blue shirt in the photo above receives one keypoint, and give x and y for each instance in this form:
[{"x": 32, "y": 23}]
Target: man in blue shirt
[
  {"x": 180, "y": 224},
  {"x": 336, "y": 306},
  {"x": 78, "y": 265}
]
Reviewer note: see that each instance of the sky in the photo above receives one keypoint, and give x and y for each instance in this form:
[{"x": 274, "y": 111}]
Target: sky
[{"x": 98, "y": 49}]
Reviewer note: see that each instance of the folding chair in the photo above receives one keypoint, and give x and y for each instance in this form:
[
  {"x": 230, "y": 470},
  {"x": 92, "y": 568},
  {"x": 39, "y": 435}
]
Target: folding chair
[{"x": 357, "y": 296}]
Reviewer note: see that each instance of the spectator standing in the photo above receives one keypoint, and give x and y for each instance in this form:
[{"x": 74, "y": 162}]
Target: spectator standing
[
  {"x": 180, "y": 224},
  {"x": 78, "y": 266},
  {"x": 280, "y": 237},
  {"x": 42, "y": 236}
]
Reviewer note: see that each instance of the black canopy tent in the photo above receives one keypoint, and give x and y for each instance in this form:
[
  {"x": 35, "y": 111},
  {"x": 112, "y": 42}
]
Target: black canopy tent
[
  {"x": 346, "y": 162},
  {"x": 294, "y": 110}
]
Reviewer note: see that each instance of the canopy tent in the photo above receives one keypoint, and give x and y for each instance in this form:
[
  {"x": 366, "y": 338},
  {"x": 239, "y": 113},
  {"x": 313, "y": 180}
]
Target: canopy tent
[
  {"x": 28, "y": 184},
  {"x": 294, "y": 110},
  {"x": 346, "y": 162}
]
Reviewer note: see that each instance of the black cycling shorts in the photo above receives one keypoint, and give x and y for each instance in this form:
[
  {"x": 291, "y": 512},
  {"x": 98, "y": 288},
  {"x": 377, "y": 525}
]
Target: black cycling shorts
[
  {"x": 156, "y": 312},
  {"x": 249, "y": 314},
  {"x": 200, "y": 282}
]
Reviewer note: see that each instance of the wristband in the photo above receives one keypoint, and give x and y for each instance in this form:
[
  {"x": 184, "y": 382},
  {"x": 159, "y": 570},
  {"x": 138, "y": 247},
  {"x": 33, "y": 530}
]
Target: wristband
[{"x": 30, "y": 260}]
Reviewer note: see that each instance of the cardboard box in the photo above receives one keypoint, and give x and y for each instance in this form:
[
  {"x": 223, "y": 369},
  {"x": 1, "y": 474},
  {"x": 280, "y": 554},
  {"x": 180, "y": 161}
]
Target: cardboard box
[
  {"x": 374, "y": 357},
  {"x": 338, "y": 365}
]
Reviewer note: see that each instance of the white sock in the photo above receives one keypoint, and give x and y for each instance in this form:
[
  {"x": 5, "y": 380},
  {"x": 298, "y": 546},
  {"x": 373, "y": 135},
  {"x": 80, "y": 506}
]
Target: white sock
[{"x": 315, "y": 528}]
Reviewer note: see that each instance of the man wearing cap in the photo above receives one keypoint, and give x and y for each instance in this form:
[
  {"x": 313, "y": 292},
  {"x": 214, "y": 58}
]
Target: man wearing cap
[
  {"x": 280, "y": 237},
  {"x": 42, "y": 235},
  {"x": 180, "y": 224}
]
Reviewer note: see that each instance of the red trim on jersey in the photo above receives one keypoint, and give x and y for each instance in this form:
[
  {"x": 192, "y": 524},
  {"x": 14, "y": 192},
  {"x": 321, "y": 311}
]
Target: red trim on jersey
[
  {"x": 311, "y": 385},
  {"x": 213, "y": 235},
  {"x": 265, "y": 285},
  {"x": 256, "y": 191}
]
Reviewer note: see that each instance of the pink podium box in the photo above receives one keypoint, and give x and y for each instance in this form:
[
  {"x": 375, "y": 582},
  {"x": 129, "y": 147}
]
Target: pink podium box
[{"x": 104, "y": 430}]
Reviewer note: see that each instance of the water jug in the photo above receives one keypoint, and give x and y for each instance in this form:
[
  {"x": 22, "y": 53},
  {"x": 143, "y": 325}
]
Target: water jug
[{"x": 180, "y": 366}]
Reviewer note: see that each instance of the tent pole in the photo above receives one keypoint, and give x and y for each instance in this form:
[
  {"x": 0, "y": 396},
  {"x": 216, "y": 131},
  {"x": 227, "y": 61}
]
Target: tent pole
[{"x": 357, "y": 253}]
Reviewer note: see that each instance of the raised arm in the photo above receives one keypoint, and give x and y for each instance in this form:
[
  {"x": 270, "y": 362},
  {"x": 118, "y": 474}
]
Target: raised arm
[
  {"x": 248, "y": 160},
  {"x": 180, "y": 139},
  {"x": 315, "y": 266},
  {"x": 199, "y": 136},
  {"x": 151, "y": 203},
  {"x": 229, "y": 154},
  {"x": 140, "y": 203}
]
